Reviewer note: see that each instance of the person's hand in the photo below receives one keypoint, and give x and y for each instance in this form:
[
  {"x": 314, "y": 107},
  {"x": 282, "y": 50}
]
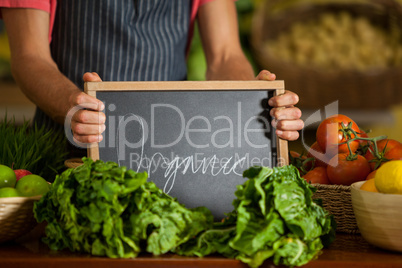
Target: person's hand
[
  {"x": 89, "y": 123},
  {"x": 286, "y": 117}
]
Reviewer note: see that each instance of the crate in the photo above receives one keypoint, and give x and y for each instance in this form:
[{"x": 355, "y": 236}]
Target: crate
[{"x": 374, "y": 89}]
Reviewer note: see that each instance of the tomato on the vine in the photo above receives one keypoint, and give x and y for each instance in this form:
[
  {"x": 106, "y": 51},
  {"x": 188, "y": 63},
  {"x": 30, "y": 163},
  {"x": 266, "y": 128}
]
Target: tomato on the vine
[
  {"x": 330, "y": 134},
  {"x": 301, "y": 162},
  {"x": 296, "y": 155},
  {"x": 317, "y": 175},
  {"x": 321, "y": 159},
  {"x": 388, "y": 149},
  {"x": 342, "y": 170},
  {"x": 363, "y": 144}
]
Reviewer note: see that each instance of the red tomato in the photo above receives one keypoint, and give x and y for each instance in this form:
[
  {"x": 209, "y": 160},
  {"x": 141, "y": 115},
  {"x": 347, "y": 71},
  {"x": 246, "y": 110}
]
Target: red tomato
[
  {"x": 315, "y": 151},
  {"x": 340, "y": 170},
  {"x": 294, "y": 154},
  {"x": 388, "y": 149},
  {"x": 317, "y": 175},
  {"x": 329, "y": 135}
]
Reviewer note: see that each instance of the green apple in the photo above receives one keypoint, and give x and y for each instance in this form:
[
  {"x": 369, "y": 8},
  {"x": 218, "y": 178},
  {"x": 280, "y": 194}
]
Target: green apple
[
  {"x": 7, "y": 177},
  {"x": 8, "y": 192},
  {"x": 32, "y": 185}
]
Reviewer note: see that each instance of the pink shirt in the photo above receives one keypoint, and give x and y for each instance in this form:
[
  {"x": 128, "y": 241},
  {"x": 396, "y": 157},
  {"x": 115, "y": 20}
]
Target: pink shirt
[
  {"x": 45, "y": 5},
  {"x": 50, "y": 7}
]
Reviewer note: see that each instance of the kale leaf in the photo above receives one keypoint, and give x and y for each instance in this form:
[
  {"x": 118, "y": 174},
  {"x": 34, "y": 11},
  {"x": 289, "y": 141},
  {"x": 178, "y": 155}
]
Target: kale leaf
[
  {"x": 107, "y": 210},
  {"x": 274, "y": 217}
]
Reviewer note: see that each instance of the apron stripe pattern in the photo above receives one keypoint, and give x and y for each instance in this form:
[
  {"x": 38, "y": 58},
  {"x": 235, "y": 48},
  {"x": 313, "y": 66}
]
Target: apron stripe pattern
[{"x": 121, "y": 40}]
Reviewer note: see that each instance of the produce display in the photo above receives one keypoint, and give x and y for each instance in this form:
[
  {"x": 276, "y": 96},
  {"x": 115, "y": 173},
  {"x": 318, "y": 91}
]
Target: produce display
[
  {"x": 28, "y": 147},
  {"x": 347, "y": 154},
  {"x": 388, "y": 179},
  {"x": 104, "y": 209},
  {"x": 15, "y": 183},
  {"x": 8, "y": 177},
  {"x": 338, "y": 41},
  {"x": 107, "y": 210},
  {"x": 274, "y": 217}
]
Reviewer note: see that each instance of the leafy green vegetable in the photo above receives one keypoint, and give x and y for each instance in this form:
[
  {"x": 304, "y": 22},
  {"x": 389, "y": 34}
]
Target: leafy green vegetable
[
  {"x": 107, "y": 210},
  {"x": 274, "y": 217}
]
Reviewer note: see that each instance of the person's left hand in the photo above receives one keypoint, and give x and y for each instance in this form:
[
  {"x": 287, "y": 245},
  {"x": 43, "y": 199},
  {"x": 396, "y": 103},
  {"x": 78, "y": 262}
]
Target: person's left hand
[{"x": 286, "y": 117}]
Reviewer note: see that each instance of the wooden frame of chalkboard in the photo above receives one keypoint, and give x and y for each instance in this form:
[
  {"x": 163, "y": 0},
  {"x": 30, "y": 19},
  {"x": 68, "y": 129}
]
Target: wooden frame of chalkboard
[{"x": 278, "y": 88}]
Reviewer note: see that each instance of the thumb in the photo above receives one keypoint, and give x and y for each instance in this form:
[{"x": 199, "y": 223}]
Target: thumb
[
  {"x": 88, "y": 102},
  {"x": 266, "y": 75},
  {"x": 91, "y": 77}
]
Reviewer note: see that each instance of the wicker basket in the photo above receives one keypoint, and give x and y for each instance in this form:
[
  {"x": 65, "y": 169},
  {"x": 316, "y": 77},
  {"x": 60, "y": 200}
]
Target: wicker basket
[
  {"x": 375, "y": 89},
  {"x": 337, "y": 200},
  {"x": 16, "y": 217}
]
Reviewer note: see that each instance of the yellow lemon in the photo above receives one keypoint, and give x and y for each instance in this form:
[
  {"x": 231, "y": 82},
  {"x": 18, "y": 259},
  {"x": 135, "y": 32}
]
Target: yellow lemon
[
  {"x": 388, "y": 178},
  {"x": 369, "y": 185}
]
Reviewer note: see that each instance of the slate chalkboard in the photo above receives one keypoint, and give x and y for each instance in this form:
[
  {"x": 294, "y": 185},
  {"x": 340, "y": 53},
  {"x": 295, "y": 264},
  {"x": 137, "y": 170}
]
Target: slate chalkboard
[{"x": 193, "y": 138}]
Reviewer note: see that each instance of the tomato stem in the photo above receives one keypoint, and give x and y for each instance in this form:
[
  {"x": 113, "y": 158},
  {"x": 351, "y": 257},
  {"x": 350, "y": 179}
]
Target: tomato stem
[{"x": 347, "y": 132}]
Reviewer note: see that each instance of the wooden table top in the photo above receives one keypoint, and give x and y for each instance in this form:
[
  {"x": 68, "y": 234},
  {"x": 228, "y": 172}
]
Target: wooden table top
[{"x": 346, "y": 251}]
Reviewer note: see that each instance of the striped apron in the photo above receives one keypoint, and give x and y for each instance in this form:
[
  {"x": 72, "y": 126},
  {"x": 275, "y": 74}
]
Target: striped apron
[{"x": 121, "y": 40}]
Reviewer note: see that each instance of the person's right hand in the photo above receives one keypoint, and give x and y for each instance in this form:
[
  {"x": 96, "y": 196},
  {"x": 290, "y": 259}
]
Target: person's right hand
[{"x": 88, "y": 124}]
